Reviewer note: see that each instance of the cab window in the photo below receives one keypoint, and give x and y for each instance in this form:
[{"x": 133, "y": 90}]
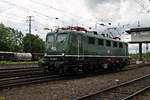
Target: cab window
[
  {"x": 91, "y": 40},
  {"x": 100, "y": 42},
  {"x": 108, "y": 43},
  {"x": 120, "y": 45},
  {"x": 114, "y": 44},
  {"x": 61, "y": 38}
]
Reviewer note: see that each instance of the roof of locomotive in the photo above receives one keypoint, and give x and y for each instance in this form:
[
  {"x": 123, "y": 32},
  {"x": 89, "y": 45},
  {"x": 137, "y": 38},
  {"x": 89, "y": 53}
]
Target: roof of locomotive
[{"x": 89, "y": 33}]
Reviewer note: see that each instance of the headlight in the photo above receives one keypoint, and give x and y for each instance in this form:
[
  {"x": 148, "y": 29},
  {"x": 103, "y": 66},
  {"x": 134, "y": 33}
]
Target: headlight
[
  {"x": 62, "y": 54},
  {"x": 53, "y": 58},
  {"x": 45, "y": 54}
]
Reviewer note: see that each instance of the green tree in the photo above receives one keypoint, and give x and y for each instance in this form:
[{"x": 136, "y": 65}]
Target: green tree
[
  {"x": 32, "y": 43},
  {"x": 4, "y": 35},
  {"x": 10, "y": 39}
]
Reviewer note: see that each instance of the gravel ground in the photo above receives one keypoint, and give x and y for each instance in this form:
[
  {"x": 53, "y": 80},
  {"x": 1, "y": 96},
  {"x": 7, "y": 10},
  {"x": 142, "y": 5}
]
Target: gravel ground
[
  {"x": 144, "y": 96},
  {"x": 69, "y": 89}
]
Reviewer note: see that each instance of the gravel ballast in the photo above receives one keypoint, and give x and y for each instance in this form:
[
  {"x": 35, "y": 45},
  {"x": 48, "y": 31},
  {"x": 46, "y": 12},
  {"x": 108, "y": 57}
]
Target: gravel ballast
[
  {"x": 70, "y": 89},
  {"x": 143, "y": 96}
]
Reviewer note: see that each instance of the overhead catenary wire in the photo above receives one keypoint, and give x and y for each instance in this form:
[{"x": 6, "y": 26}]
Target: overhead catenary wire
[
  {"x": 33, "y": 11},
  {"x": 14, "y": 18},
  {"x": 56, "y": 9},
  {"x": 42, "y": 14},
  {"x": 6, "y": 18},
  {"x": 25, "y": 9}
]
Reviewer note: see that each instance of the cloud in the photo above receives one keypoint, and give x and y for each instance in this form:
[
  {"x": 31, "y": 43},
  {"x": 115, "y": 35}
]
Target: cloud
[
  {"x": 104, "y": 10},
  {"x": 118, "y": 11},
  {"x": 70, "y": 12},
  {"x": 93, "y": 4}
]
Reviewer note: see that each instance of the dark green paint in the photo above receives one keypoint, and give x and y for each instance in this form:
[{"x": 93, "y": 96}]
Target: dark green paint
[{"x": 77, "y": 43}]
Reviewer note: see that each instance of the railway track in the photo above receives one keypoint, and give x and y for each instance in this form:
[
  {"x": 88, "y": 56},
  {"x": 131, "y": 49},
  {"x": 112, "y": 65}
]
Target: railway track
[
  {"x": 19, "y": 76},
  {"x": 26, "y": 80},
  {"x": 14, "y": 72},
  {"x": 124, "y": 91}
]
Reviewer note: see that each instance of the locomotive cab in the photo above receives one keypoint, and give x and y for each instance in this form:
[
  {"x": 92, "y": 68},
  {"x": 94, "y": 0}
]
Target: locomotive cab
[
  {"x": 56, "y": 46},
  {"x": 56, "y": 43}
]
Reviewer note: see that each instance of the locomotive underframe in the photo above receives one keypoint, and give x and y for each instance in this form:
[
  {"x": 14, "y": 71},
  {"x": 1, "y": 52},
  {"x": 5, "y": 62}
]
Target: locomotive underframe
[{"x": 64, "y": 64}]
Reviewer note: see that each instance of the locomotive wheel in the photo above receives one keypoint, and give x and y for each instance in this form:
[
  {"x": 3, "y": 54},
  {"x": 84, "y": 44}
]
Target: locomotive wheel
[
  {"x": 84, "y": 69},
  {"x": 80, "y": 69},
  {"x": 119, "y": 66},
  {"x": 76, "y": 70},
  {"x": 110, "y": 67},
  {"x": 50, "y": 69},
  {"x": 61, "y": 71},
  {"x": 44, "y": 69},
  {"x": 105, "y": 67}
]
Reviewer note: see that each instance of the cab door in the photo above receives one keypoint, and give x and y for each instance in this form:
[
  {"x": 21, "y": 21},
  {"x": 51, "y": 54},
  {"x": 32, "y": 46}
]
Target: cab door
[
  {"x": 76, "y": 45},
  {"x": 80, "y": 49}
]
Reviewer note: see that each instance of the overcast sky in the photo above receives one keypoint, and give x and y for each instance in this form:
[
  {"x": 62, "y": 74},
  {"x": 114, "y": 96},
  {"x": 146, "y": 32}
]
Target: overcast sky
[{"x": 86, "y": 13}]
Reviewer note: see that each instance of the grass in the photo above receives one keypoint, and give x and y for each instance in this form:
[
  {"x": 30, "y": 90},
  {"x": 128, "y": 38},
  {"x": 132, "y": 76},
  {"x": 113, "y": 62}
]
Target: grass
[{"x": 18, "y": 62}]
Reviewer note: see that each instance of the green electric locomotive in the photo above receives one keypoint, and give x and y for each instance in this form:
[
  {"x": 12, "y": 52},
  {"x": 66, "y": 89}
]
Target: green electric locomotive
[{"x": 75, "y": 49}]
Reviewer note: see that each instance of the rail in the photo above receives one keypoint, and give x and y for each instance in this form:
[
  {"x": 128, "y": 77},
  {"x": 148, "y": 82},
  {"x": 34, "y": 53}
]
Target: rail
[{"x": 122, "y": 91}]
